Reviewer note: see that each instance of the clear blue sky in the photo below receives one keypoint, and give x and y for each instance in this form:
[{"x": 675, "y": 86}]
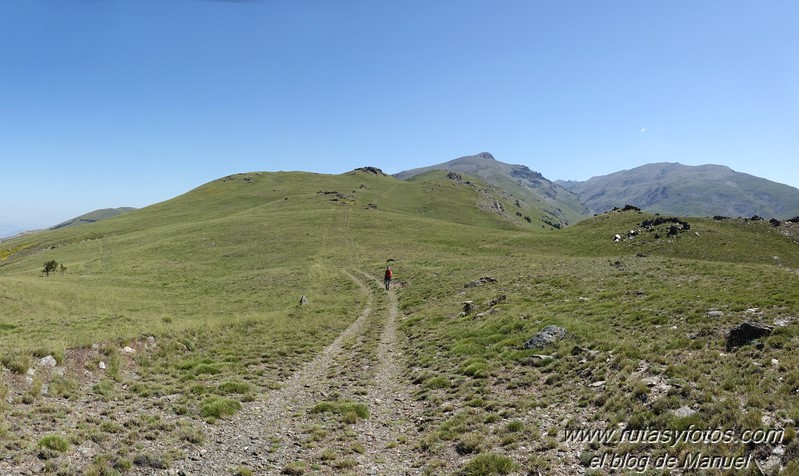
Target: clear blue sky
[{"x": 108, "y": 103}]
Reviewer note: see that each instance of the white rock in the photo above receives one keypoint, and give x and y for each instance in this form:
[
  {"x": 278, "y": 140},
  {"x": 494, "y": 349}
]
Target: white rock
[
  {"x": 683, "y": 412},
  {"x": 48, "y": 362},
  {"x": 102, "y": 365},
  {"x": 128, "y": 350}
]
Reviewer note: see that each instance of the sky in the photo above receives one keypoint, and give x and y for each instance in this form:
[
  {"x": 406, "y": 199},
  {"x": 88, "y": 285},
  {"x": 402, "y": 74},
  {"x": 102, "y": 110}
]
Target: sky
[{"x": 110, "y": 103}]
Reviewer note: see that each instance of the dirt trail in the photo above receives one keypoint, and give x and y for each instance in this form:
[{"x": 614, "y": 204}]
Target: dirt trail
[{"x": 361, "y": 365}]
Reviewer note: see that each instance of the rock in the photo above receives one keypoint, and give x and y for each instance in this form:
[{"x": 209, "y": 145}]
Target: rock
[
  {"x": 683, "y": 412},
  {"x": 547, "y": 335},
  {"x": 497, "y": 300},
  {"x": 577, "y": 350},
  {"x": 303, "y": 301},
  {"x": 746, "y": 333},
  {"x": 779, "y": 322},
  {"x": 128, "y": 350},
  {"x": 371, "y": 170},
  {"x": 48, "y": 362},
  {"x": 715, "y": 313},
  {"x": 480, "y": 282},
  {"x": 102, "y": 365},
  {"x": 468, "y": 307}
]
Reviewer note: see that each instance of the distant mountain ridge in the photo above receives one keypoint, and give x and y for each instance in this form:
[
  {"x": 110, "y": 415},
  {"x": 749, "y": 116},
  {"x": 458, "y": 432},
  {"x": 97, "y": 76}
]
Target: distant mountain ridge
[
  {"x": 674, "y": 188},
  {"x": 95, "y": 216},
  {"x": 529, "y": 189}
]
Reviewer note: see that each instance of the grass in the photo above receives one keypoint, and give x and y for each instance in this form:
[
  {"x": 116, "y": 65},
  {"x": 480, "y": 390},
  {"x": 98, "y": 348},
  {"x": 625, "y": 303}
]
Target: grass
[
  {"x": 348, "y": 410},
  {"x": 214, "y": 277}
]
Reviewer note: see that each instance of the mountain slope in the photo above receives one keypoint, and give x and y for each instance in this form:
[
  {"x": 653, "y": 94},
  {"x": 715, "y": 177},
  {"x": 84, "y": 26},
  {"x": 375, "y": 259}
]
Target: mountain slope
[
  {"x": 673, "y": 188},
  {"x": 538, "y": 197}
]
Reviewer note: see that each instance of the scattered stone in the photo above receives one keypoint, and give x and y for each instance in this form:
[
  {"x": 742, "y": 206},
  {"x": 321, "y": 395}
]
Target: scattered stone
[
  {"x": 102, "y": 365},
  {"x": 597, "y": 384},
  {"x": 128, "y": 350},
  {"x": 715, "y": 313},
  {"x": 480, "y": 282},
  {"x": 547, "y": 335},
  {"x": 746, "y": 333},
  {"x": 497, "y": 300},
  {"x": 303, "y": 300},
  {"x": 372, "y": 206}
]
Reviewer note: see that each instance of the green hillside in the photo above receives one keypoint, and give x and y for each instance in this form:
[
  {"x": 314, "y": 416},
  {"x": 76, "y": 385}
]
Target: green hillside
[{"x": 192, "y": 308}]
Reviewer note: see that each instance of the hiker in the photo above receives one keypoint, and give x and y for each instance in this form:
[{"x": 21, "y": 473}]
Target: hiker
[{"x": 388, "y": 276}]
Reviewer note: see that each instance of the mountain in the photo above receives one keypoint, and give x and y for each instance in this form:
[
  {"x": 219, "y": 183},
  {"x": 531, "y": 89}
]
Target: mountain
[
  {"x": 673, "y": 188},
  {"x": 95, "y": 216},
  {"x": 528, "y": 190}
]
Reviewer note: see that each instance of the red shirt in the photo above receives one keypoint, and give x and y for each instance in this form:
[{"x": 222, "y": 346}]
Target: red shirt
[{"x": 389, "y": 274}]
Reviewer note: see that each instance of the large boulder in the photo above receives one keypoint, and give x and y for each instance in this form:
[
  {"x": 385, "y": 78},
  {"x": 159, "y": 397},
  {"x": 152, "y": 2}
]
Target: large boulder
[
  {"x": 746, "y": 333},
  {"x": 548, "y": 335}
]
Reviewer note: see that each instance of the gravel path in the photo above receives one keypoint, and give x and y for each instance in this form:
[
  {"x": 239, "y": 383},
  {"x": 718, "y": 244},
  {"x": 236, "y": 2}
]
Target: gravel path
[{"x": 278, "y": 433}]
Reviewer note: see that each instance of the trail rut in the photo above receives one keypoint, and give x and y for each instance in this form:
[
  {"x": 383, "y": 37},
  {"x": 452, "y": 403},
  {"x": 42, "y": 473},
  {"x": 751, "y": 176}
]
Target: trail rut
[{"x": 279, "y": 432}]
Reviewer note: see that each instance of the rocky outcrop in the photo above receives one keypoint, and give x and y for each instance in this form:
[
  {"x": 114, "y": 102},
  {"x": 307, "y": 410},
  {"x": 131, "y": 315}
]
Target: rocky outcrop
[
  {"x": 548, "y": 335},
  {"x": 746, "y": 333},
  {"x": 480, "y": 282},
  {"x": 370, "y": 170}
]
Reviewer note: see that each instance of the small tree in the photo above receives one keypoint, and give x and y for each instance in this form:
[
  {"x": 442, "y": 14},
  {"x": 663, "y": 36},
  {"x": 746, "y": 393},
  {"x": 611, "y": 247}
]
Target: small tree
[{"x": 49, "y": 266}]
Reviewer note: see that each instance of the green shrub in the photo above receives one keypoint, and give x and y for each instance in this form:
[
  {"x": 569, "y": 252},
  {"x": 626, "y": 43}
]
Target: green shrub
[
  {"x": 469, "y": 443},
  {"x": 488, "y": 464},
  {"x": 17, "y": 363},
  {"x": 345, "y": 408},
  {"x": 54, "y": 442},
  {"x": 234, "y": 387},
  {"x": 297, "y": 468},
  {"x": 219, "y": 407}
]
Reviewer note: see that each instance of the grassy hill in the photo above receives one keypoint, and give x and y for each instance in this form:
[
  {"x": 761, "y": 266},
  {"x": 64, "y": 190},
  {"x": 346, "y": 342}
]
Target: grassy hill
[{"x": 191, "y": 306}]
